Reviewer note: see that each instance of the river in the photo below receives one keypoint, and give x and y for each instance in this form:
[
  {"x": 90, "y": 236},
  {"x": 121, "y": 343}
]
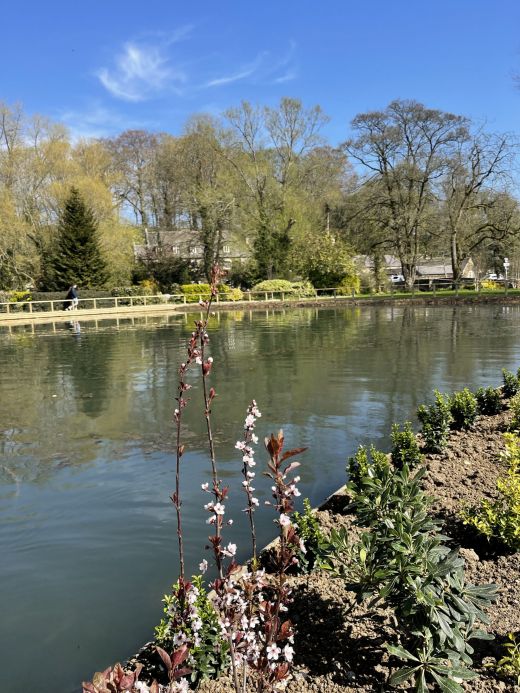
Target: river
[{"x": 87, "y": 530}]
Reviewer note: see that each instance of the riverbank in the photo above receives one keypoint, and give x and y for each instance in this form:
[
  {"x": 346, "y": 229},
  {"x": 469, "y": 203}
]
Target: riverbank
[
  {"x": 424, "y": 298},
  {"x": 339, "y": 644}
]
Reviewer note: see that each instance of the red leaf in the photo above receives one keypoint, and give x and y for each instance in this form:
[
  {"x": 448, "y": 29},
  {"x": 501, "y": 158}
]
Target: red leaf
[
  {"x": 165, "y": 657},
  {"x": 292, "y": 453},
  {"x": 154, "y": 688},
  {"x": 127, "y": 681},
  {"x": 179, "y": 656},
  {"x": 182, "y": 672},
  {"x": 281, "y": 671}
]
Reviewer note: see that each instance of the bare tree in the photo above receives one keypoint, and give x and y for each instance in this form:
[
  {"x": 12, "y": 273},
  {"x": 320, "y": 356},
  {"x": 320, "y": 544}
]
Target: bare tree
[{"x": 406, "y": 149}]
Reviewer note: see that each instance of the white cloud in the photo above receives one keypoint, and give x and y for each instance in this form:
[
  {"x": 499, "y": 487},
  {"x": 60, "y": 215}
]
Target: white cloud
[
  {"x": 140, "y": 72},
  {"x": 97, "y": 121}
]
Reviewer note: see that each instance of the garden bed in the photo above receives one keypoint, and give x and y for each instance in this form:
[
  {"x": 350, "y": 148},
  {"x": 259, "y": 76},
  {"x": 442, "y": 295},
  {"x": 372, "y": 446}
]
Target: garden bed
[{"x": 339, "y": 645}]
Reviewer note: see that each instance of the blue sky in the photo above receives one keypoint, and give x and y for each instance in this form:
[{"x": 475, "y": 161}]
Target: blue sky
[{"x": 105, "y": 66}]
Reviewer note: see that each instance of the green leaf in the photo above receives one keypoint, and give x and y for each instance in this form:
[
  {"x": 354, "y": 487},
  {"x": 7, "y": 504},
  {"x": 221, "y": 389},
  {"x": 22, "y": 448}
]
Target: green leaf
[
  {"x": 447, "y": 685},
  {"x": 400, "y": 652},
  {"x": 402, "y": 675}
]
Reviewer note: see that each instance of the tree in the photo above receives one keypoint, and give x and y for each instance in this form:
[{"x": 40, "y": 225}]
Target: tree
[
  {"x": 476, "y": 208},
  {"x": 265, "y": 152},
  {"x": 406, "y": 149},
  {"x": 76, "y": 258}
]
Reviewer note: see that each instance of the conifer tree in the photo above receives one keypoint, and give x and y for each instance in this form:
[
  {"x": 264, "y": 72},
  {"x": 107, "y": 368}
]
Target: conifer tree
[{"x": 77, "y": 257}]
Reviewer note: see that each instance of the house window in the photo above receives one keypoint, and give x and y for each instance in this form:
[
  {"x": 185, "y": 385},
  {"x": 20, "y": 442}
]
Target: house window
[
  {"x": 194, "y": 251},
  {"x": 226, "y": 248},
  {"x": 175, "y": 249}
]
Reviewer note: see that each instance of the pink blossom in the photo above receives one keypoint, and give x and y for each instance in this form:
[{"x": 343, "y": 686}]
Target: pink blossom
[
  {"x": 284, "y": 520},
  {"x": 203, "y": 566}
]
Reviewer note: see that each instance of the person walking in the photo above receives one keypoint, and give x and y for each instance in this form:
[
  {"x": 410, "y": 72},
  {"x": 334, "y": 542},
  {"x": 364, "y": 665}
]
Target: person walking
[{"x": 72, "y": 298}]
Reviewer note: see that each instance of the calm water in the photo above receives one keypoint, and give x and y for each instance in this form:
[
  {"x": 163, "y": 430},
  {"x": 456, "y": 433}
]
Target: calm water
[{"x": 87, "y": 534}]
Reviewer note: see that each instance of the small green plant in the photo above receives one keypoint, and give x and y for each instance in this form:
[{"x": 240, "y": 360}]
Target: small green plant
[
  {"x": 514, "y": 406},
  {"x": 367, "y": 462},
  {"x": 436, "y": 420},
  {"x": 463, "y": 409},
  {"x": 511, "y": 383},
  {"x": 509, "y": 664},
  {"x": 315, "y": 543},
  {"x": 403, "y": 562},
  {"x": 189, "y": 619},
  {"x": 405, "y": 448},
  {"x": 500, "y": 518},
  {"x": 489, "y": 401}
]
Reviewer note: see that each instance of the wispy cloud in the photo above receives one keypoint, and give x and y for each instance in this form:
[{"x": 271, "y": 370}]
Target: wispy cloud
[
  {"x": 142, "y": 70},
  {"x": 96, "y": 121},
  {"x": 243, "y": 73},
  {"x": 264, "y": 69}
]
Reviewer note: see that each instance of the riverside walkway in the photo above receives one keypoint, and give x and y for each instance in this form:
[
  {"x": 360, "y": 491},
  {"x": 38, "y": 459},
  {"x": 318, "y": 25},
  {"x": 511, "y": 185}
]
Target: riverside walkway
[{"x": 24, "y": 312}]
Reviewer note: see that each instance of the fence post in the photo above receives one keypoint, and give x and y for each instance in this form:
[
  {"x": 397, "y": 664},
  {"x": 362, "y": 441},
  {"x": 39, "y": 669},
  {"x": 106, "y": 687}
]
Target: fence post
[
  {"x": 283, "y": 296},
  {"x": 184, "y": 298},
  {"x": 30, "y": 307},
  {"x": 144, "y": 300},
  {"x": 433, "y": 287},
  {"x": 8, "y": 308},
  {"x": 131, "y": 301},
  {"x": 116, "y": 302},
  {"x": 95, "y": 304},
  {"x": 456, "y": 289},
  {"x": 217, "y": 297},
  {"x": 52, "y": 306},
  {"x": 249, "y": 296},
  {"x": 266, "y": 296}
]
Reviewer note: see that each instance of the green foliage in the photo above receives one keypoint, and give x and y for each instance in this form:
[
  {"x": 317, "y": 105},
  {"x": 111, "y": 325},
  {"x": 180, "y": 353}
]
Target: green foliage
[
  {"x": 303, "y": 289},
  {"x": 325, "y": 260},
  {"x": 509, "y": 664},
  {"x": 511, "y": 383},
  {"x": 405, "y": 448},
  {"x": 164, "y": 271},
  {"x": 464, "y": 409},
  {"x": 514, "y": 406},
  {"x": 348, "y": 285},
  {"x": 316, "y": 544},
  {"x": 243, "y": 274},
  {"x": 208, "y": 650},
  {"x": 489, "y": 400},
  {"x": 274, "y": 285},
  {"x": 436, "y": 420},
  {"x": 195, "y": 292},
  {"x": 366, "y": 463},
  {"x": 76, "y": 257},
  {"x": 18, "y": 296},
  {"x": 402, "y": 561},
  {"x": 500, "y": 518}
]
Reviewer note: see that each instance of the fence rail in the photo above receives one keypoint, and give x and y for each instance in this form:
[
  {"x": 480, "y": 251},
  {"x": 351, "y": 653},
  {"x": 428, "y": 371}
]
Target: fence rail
[{"x": 423, "y": 287}]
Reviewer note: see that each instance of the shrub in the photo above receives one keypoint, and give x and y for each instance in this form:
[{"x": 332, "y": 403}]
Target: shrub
[
  {"x": 514, "y": 405},
  {"x": 405, "y": 448},
  {"x": 275, "y": 285},
  {"x": 403, "y": 562},
  {"x": 509, "y": 664},
  {"x": 195, "y": 292},
  {"x": 188, "y": 603},
  {"x": 349, "y": 285},
  {"x": 500, "y": 518},
  {"x": 511, "y": 383},
  {"x": 315, "y": 543},
  {"x": 365, "y": 463},
  {"x": 243, "y": 274},
  {"x": 303, "y": 289},
  {"x": 489, "y": 400},
  {"x": 464, "y": 409},
  {"x": 436, "y": 420}
]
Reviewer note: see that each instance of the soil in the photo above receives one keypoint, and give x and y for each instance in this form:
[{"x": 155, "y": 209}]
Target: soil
[{"x": 339, "y": 645}]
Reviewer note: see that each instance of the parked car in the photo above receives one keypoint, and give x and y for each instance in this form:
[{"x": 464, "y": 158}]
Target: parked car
[
  {"x": 495, "y": 277},
  {"x": 396, "y": 278}
]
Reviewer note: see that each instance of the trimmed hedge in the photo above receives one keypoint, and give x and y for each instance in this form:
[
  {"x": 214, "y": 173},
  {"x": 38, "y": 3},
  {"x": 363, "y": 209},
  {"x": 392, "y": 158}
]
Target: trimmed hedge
[
  {"x": 194, "y": 292},
  {"x": 302, "y": 289}
]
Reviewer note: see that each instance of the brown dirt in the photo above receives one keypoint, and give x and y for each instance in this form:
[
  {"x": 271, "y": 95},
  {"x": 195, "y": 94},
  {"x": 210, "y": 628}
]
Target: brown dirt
[{"x": 340, "y": 645}]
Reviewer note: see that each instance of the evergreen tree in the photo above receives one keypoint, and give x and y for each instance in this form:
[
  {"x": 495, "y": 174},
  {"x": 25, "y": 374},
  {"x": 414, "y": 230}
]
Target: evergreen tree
[{"x": 77, "y": 257}]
